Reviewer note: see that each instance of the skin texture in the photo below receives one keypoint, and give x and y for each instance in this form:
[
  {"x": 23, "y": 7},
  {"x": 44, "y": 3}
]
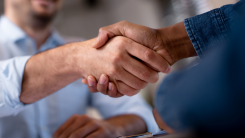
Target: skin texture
[
  {"x": 47, "y": 72},
  {"x": 80, "y": 126},
  {"x": 79, "y": 60},
  {"x": 172, "y": 43}
]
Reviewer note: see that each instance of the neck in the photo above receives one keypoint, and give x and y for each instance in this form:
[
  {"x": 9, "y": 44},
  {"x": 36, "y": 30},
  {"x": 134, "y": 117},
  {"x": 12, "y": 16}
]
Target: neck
[{"x": 39, "y": 34}]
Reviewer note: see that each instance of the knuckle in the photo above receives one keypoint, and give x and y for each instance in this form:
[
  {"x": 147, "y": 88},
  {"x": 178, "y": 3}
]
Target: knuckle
[
  {"x": 102, "y": 29},
  {"x": 123, "y": 22},
  {"x": 145, "y": 75},
  {"x": 140, "y": 85},
  {"x": 149, "y": 55},
  {"x": 116, "y": 58},
  {"x": 121, "y": 41},
  {"x": 113, "y": 71}
]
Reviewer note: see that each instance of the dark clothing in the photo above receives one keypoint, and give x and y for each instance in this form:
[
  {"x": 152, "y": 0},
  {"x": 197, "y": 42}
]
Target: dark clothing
[{"x": 210, "y": 97}]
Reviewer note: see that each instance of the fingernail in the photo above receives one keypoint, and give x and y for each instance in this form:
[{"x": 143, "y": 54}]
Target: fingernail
[
  {"x": 168, "y": 70},
  {"x": 110, "y": 87},
  {"x": 90, "y": 82},
  {"x": 103, "y": 79}
]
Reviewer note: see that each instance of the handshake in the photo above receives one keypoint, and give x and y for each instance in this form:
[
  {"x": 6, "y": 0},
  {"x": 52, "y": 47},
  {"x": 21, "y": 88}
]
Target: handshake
[
  {"x": 129, "y": 56},
  {"x": 124, "y": 58}
]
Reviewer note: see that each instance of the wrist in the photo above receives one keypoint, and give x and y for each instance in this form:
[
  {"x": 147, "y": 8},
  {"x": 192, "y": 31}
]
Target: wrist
[
  {"x": 81, "y": 56},
  {"x": 176, "y": 43},
  {"x": 65, "y": 61},
  {"x": 72, "y": 59}
]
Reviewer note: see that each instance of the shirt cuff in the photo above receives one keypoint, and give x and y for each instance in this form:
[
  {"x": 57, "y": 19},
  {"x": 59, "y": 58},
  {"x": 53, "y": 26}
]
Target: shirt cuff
[
  {"x": 205, "y": 30},
  {"x": 11, "y": 75}
]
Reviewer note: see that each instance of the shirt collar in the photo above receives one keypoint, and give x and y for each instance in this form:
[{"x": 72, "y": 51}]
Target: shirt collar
[
  {"x": 13, "y": 33},
  {"x": 10, "y": 30},
  {"x": 53, "y": 41}
]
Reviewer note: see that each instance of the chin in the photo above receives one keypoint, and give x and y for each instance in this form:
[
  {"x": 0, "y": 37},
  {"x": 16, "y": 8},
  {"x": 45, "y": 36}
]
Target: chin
[{"x": 44, "y": 9}]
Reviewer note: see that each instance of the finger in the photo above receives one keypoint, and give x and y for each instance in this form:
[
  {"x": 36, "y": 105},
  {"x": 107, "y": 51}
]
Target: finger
[
  {"x": 84, "y": 81},
  {"x": 144, "y": 35},
  {"x": 112, "y": 91},
  {"x": 102, "y": 38},
  {"x": 140, "y": 71},
  {"x": 131, "y": 80},
  {"x": 72, "y": 128},
  {"x": 84, "y": 131},
  {"x": 63, "y": 127},
  {"x": 92, "y": 83},
  {"x": 149, "y": 56},
  {"x": 103, "y": 84},
  {"x": 124, "y": 89}
]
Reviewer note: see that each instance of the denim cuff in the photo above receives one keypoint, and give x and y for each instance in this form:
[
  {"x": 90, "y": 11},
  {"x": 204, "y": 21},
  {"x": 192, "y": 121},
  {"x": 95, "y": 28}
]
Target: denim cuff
[{"x": 205, "y": 30}]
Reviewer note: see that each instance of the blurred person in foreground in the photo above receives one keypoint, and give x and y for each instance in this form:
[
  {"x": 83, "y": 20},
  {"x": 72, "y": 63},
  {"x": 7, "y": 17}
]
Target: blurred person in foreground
[
  {"x": 33, "y": 102},
  {"x": 208, "y": 98}
]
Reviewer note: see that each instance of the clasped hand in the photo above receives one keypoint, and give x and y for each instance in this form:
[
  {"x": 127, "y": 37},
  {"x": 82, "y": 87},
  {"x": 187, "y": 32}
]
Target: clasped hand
[{"x": 145, "y": 57}]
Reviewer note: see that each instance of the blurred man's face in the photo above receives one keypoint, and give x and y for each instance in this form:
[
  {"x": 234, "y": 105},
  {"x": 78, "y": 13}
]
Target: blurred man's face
[
  {"x": 42, "y": 9},
  {"x": 38, "y": 7}
]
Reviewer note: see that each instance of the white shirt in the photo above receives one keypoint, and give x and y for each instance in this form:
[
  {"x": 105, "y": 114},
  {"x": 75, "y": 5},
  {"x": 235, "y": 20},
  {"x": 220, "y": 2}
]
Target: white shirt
[{"x": 43, "y": 118}]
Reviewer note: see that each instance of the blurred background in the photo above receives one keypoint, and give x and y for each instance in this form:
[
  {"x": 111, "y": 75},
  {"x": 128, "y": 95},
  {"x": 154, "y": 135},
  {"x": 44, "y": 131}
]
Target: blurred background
[{"x": 83, "y": 18}]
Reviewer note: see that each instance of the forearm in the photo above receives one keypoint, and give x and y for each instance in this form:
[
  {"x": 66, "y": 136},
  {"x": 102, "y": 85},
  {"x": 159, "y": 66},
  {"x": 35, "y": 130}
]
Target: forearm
[
  {"x": 198, "y": 34},
  {"x": 47, "y": 72},
  {"x": 127, "y": 125},
  {"x": 176, "y": 42}
]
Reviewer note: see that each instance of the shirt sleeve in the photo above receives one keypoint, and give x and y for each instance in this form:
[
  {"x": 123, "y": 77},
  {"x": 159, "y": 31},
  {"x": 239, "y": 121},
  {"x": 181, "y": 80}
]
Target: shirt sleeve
[
  {"x": 109, "y": 107},
  {"x": 212, "y": 27},
  {"x": 11, "y": 74}
]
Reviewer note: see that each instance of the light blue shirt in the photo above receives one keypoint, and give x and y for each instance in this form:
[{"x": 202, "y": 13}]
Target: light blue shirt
[{"x": 43, "y": 118}]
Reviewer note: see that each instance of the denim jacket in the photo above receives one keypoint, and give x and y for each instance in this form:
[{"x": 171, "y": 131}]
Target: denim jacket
[
  {"x": 212, "y": 27},
  {"x": 209, "y": 98}
]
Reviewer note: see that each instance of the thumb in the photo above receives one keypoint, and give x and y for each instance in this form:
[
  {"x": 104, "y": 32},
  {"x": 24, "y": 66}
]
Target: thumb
[
  {"x": 85, "y": 81},
  {"x": 141, "y": 34},
  {"x": 101, "y": 40}
]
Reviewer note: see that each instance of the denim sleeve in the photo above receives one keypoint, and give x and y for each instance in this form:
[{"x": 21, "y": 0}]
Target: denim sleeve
[
  {"x": 212, "y": 27},
  {"x": 11, "y": 74},
  {"x": 209, "y": 98}
]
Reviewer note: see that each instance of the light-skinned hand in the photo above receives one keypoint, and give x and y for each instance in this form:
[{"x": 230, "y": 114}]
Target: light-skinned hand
[
  {"x": 172, "y": 43},
  {"x": 123, "y": 60}
]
